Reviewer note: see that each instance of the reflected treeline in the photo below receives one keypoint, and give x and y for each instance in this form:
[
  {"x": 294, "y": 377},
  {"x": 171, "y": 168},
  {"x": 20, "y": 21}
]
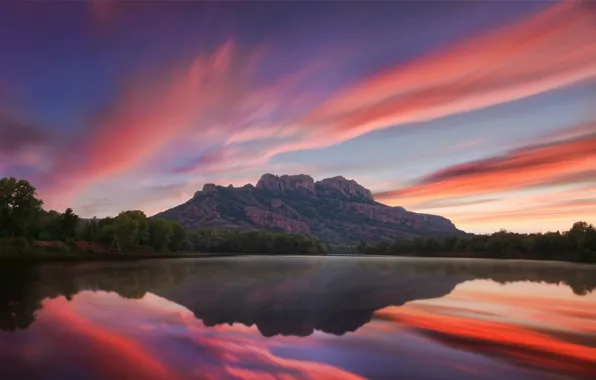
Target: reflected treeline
[
  {"x": 19, "y": 297},
  {"x": 287, "y": 296},
  {"x": 333, "y": 295},
  {"x": 580, "y": 278}
]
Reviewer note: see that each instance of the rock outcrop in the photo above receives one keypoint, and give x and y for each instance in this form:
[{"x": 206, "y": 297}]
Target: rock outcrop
[
  {"x": 287, "y": 182},
  {"x": 336, "y": 210},
  {"x": 342, "y": 188}
]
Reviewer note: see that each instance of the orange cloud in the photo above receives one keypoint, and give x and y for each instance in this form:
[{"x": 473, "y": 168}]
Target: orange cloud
[
  {"x": 522, "y": 168},
  {"x": 215, "y": 103},
  {"x": 527, "y": 212},
  {"x": 553, "y": 49},
  {"x": 548, "y": 51},
  {"x": 571, "y": 211},
  {"x": 212, "y": 101}
]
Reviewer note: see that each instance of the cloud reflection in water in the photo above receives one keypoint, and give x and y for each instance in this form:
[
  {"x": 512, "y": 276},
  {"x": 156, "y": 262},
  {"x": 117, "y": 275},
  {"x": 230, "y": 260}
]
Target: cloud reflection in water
[{"x": 301, "y": 319}]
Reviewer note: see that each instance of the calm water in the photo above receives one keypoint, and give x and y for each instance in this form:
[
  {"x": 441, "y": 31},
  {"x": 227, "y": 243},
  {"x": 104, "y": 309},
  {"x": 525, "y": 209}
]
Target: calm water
[{"x": 298, "y": 318}]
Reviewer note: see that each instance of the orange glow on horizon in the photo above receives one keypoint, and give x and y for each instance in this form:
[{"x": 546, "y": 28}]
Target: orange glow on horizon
[{"x": 517, "y": 169}]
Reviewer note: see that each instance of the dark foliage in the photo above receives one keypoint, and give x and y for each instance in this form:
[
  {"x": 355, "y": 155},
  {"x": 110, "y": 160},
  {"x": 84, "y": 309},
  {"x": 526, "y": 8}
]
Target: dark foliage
[
  {"x": 26, "y": 229},
  {"x": 255, "y": 242},
  {"x": 577, "y": 244}
]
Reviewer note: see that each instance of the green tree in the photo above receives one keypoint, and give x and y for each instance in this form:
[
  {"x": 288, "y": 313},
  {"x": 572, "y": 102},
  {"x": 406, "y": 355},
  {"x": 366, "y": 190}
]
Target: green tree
[
  {"x": 69, "y": 224},
  {"x": 51, "y": 223},
  {"x": 179, "y": 241},
  {"x": 578, "y": 234},
  {"x": 140, "y": 218},
  {"x": 361, "y": 247},
  {"x": 126, "y": 229},
  {"x": 160, "y": 233},
  {"x": 91, "y": 230},
  {"x": 19, "y": 207}
]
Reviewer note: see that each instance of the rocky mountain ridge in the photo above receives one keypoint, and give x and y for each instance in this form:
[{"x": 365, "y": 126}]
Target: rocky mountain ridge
[{"x": 336, "y": 210}]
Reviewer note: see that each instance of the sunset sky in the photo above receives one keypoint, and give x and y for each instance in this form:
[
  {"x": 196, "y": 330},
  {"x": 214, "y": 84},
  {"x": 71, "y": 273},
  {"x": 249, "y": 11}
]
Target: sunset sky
[{"x": 480, "y": 111}]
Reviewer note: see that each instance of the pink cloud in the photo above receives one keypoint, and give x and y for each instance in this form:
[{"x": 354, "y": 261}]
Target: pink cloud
[
  {"x": 526, "y": 167},
  {"x": 150, "y": 114},
  {"x": 215, "y": 104},
  {"x": 543, "y": 53},
  {"x": 548, "y": 51}
]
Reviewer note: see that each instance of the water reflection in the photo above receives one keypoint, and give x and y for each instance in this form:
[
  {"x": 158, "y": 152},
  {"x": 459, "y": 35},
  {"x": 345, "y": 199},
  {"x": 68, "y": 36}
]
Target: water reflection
[{"x": 243, "y": 317}]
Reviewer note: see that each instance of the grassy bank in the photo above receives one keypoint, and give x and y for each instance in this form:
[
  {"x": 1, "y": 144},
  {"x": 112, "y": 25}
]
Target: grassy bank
[
  {"x": 86, "y": 257},
  {"x": 71, "y": 252}
]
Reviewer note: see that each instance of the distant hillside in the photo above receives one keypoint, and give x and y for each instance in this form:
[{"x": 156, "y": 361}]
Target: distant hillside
[{"x": 335, "y": 210}]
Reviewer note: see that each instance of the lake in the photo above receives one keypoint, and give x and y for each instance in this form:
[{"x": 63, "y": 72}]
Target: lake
[{"x": 298, "y": 318}]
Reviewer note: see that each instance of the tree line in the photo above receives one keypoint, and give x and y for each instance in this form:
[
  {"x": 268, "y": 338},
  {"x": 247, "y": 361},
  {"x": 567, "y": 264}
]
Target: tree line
[
  {"x": 25, "y": 227},
  {"x": 576, "y": 244}
]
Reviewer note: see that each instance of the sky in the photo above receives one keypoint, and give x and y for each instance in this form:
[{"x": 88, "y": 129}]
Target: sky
[{"x": 479, "y": 111}]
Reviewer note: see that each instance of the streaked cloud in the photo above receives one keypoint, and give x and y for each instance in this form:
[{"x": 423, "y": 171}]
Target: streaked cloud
[
  {"x": 569, "y": 210},
  {"x": 548, "y": 51},
  {"x": 150, "y": 114},
  {"x": 533, "y": 210},
  {"x": 214, "y": 114},
  {"x": 543, "y": 53},
  {"x": 448, "y": 203},
  {"x": 525, "y": 167}
]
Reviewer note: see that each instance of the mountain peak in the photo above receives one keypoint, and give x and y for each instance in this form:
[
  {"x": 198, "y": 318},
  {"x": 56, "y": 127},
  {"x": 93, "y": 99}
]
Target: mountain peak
[
  {"x": 286, "y": 182},
  {"x": 344, "y": 188},
  {"x": 334, "y": 209},
  {"x": 337, "y": 186}
]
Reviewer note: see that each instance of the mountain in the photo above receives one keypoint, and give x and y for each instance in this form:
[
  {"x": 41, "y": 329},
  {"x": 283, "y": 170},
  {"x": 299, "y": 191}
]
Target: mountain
[{"x": 335, "y": 210}]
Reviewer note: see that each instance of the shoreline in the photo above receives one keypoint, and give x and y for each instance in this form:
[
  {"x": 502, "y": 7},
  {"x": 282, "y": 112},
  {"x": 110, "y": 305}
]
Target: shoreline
[
  {"x": 99, "y": 257},
  {"x": 87, "y": 257}
]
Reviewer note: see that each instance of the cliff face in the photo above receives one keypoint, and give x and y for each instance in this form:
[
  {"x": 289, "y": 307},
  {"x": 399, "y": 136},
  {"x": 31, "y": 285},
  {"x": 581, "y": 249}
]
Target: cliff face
[{"x": 335, "y": 210}]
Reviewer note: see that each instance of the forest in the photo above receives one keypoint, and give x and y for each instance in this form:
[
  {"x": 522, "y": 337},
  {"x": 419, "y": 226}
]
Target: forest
[
  {"x": 27, "y": 230},
  {"x": 576, "y": 244}
]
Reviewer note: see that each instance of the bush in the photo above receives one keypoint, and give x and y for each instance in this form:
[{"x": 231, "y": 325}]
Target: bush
[
  {"x": 57, "y": 247},
  {"x": 21, "y": 245},
  {"x": 14, "y": 247}
]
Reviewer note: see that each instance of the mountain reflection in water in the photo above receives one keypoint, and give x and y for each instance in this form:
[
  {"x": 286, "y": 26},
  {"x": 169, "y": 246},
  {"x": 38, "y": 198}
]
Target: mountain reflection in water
[{"x": 243, "y": 318}]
